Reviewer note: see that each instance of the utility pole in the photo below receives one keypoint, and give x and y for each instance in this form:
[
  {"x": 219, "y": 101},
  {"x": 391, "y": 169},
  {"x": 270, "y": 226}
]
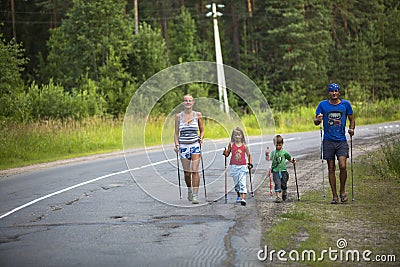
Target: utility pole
[
  {"x": 13, "y": 23},
  {"x": 223, "y": 97},
  {"x": 135, "y": 6}
]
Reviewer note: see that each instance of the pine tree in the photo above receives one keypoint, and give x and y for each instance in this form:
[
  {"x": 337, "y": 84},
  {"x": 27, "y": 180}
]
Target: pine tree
[
  {"x": 183, "y": 39},
  {"x": 82, "y": 43}
]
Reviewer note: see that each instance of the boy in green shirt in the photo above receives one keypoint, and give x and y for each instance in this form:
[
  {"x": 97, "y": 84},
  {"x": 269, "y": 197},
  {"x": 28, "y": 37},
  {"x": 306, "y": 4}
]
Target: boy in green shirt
[{"x": 278, "y": 168}]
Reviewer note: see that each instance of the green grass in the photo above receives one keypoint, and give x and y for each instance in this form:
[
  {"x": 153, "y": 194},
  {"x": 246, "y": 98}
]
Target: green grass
[
  {"x": 29, "y": 143},
  {"x": 295, "y": 121},
  {"x": 386, "y": 161},
  {"x": 300, "y": 120},
  {"x": 23, "y": 144},
  {"x": 369, "y": 223}
]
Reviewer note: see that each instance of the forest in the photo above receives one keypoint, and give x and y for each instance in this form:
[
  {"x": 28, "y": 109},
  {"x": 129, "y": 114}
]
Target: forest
[{"x": 72, "y": 59}]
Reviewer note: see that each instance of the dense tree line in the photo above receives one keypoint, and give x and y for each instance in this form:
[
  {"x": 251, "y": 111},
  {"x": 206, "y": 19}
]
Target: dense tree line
[{"x": 76, "y": 58}]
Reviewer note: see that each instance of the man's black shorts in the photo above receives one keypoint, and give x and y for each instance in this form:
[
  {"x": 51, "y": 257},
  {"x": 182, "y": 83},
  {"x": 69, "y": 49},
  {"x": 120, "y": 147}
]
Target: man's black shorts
[{"x": 332, "y": 148}]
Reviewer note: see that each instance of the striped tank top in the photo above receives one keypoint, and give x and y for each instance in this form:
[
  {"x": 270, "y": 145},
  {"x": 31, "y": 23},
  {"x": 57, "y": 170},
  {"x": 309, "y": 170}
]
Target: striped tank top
[{"x": 188, "y": 132}]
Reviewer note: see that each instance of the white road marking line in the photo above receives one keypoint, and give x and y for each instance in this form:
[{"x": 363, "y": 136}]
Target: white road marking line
[
  {"x": 97, "y": 179},
  {"x": 109, "y": 175},
  {"x": 59, "y": 192},
  {"x": 88, "y": 182},
  {"x": 75, "y": 186}
]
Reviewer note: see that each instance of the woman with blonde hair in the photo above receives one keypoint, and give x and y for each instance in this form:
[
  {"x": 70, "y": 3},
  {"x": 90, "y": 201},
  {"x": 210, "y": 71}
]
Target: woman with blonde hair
[{"x": 188, "y": 136}]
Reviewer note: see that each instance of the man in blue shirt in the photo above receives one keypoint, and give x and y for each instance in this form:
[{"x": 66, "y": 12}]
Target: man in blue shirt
[{"x": 334, "y": 113}]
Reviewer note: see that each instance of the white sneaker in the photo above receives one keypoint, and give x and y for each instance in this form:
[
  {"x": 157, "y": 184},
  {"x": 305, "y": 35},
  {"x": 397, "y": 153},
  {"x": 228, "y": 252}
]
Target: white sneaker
[
  {"x": 190, "y": 196},
  {"x": 194, "y": 199}
]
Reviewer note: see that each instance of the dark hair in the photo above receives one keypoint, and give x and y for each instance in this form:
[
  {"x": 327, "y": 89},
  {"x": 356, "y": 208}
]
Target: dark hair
[{"x": 278, "y": 139}]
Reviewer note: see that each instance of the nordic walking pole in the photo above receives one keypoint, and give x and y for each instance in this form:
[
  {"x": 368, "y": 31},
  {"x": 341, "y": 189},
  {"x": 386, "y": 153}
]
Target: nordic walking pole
[
  {"x": 267, "y": 154},
  {"x": 322, "y": 161},
  {"x": 179, "y": 176},
  {"x": 202, "y": 169},
  {"x": 295, "y": 177},
  {"x": 351, "y": 167},
  {"x": 226, "y": 179},
  {"x": 270, "y": 183},
  {"x": 251, "y": 183}
]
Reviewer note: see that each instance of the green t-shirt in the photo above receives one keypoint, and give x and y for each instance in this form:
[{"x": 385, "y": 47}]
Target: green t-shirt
[{"x": 278, "y": 160}]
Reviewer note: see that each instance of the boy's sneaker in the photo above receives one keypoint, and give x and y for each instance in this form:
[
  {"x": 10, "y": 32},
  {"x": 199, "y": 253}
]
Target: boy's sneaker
[
  {"x": 278, "y": 200},
  {"x": 190, "y": 196},
  {"x": 194, "y": 199},
  {"x": 284, "y": 195},
  {"x": 243, "y": 202},
  {"x": 238, "y": 199}
]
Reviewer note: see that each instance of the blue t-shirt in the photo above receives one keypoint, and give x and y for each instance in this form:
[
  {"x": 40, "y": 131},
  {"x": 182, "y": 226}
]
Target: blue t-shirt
[{"x": 334, "y": 119}]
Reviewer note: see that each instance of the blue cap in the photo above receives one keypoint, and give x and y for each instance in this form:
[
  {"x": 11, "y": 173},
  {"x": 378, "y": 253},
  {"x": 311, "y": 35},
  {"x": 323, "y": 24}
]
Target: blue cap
[{"x": 333, "y": 86}]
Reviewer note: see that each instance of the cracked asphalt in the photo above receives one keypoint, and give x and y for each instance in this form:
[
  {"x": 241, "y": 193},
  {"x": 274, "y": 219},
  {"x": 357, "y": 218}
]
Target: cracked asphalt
[{"x": 93, "y": 212}]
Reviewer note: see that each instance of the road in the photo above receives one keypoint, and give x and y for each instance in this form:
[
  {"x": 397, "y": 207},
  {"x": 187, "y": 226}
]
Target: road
[{"x": 99, "y": 212}]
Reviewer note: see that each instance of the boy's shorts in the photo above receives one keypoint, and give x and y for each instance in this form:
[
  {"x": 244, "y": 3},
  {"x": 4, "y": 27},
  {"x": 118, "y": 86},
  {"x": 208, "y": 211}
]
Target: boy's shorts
[
  {"x": 332, "y": 148},
  {"x": 186, "y": 150}
]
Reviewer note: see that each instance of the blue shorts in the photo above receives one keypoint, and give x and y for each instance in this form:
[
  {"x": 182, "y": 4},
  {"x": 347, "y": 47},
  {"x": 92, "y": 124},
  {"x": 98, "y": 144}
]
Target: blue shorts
[
  {"x": 186, "y": 150},
  {"x": 332, "y": 148}
]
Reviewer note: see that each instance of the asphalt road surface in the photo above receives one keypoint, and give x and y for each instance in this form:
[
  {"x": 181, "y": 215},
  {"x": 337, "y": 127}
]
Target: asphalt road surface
[{"x": 125, "y": 209}]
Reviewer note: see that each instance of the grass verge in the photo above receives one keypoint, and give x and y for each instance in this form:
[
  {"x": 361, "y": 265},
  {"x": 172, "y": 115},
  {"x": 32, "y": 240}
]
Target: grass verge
[
  {"x": 24, "y": 144},
  {"x": 369, "y": 223}
]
